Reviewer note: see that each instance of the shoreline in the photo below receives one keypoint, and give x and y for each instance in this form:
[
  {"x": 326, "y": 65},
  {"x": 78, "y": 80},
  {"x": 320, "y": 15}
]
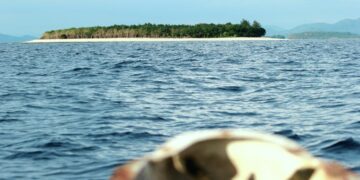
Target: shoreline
[{"x": 151, "y": 40}]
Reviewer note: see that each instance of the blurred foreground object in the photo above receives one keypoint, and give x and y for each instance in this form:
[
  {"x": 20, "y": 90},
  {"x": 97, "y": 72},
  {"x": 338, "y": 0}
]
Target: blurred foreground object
[{"x": 231, "y": 155}]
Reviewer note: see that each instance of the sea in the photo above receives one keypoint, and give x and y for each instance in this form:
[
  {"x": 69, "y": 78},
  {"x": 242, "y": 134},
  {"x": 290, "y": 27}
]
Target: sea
[{"x": 78, "y": 110}]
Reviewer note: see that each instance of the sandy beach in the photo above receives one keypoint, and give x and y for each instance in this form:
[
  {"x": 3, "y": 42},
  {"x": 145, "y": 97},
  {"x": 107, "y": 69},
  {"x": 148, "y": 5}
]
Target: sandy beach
[{"x": 151, "y": 40}]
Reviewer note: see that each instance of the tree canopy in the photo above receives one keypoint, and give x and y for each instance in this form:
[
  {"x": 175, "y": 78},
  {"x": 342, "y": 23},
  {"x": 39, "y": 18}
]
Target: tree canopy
[{"x": 148, "y": 30}]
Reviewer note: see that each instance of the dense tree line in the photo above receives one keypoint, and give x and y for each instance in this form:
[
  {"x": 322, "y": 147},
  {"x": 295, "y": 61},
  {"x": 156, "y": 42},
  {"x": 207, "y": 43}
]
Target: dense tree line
[{"x": 244, "y": 29}]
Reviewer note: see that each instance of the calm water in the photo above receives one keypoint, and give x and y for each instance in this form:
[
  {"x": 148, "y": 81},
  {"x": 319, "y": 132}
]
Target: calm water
[{"x": 78, "y": 110}]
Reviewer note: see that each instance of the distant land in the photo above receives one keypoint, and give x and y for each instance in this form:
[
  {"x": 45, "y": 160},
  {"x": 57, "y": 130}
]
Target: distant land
[
  {"x": 347, "y": 28},
  {"x": 323, "y": 35},
  {"x": 148, "y": 30},
  {"x": 8, "y": 38}
]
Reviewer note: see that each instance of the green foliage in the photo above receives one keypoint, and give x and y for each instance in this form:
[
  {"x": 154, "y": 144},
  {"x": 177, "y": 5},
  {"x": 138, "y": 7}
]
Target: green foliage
[
  {"x": 148, "y": 30},
  {"x": 63, "y": 36}
]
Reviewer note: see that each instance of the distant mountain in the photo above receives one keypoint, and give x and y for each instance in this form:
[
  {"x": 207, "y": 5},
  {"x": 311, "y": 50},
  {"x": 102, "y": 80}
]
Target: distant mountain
[
  {"x": 7, "y": 38},
  {"x": 323, "y": 35},
  {"x": 347, "y": 25},
  {"x": 343, "y": 26}
]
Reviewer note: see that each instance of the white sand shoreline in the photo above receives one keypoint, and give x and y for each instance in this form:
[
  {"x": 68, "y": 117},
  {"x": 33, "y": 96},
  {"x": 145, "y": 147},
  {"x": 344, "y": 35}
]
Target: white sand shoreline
[{"x": 151, "y": 40}]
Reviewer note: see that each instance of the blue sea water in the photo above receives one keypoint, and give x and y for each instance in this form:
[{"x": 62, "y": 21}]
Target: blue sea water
[{"x": 76, "y": 111}]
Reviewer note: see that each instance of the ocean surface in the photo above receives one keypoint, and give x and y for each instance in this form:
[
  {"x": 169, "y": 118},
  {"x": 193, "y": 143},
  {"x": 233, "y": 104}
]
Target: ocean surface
[{"x": 76, "y": 111}]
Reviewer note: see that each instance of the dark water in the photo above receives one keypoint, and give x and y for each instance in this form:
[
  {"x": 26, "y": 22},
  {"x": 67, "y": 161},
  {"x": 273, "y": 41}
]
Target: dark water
[{"x": 78, "y": 110}]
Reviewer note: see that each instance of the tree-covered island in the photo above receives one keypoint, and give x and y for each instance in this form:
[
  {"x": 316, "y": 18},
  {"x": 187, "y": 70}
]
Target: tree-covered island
[{"x": 244, "y": 29}]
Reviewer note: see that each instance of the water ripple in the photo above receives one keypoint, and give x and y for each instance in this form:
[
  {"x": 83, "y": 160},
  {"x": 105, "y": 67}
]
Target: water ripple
[
  {"x": 348, "y": 144},
  {"x": 289, "y": 134},
  {"x": 75, "y": 111}
]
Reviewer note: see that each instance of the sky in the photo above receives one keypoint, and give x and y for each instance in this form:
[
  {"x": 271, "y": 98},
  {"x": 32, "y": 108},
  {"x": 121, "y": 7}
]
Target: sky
[{"x": 33, "y": 17}]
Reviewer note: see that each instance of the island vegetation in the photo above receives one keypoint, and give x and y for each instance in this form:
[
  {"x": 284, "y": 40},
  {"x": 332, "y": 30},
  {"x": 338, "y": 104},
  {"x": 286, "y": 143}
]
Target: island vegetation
[{"x": 148, "y": 30}]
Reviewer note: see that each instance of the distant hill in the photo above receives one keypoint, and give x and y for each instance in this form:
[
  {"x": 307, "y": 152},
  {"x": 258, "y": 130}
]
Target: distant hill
[
  {"x": 8, "y": 38},
  {"x": 343, "y": 26},
  {"x": 347, "y": 25},
  {"x": 323, "y": 35}
]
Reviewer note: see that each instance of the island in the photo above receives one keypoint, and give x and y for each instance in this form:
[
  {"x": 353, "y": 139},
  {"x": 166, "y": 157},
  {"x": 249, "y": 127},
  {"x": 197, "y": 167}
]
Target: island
[
  {"x": 243, "y": 31},
  {"x": 148, "y": 30}
]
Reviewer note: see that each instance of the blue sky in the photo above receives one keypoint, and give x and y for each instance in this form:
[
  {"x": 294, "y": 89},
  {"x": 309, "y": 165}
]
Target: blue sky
[{"x": 18, "y": 17}]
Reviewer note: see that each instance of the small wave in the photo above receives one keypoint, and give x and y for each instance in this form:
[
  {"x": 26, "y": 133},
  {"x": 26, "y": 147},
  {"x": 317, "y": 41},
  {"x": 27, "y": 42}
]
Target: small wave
[
  {"x": 129, "y": 134},
  {"x": 12, "y": 94},
  {"x": 157, "y": 118},
  {"x": 354, "y": 111},
  {"x": 32, "y": 106},
  {"x": 55, "y": 144},
  {"x": 148, "y": 68},
  {"x": 81, "y": 69},
  {"x": 22, "y": 73},
  {"x": 133, "y": 56},
  {"x": 293, "y": 70},
  {"x": 98, "y": 169},
  {"x": 356, "y": 169},
  {"x": 281, "y": 124},
  {"x": 332, "y": 106},
  {"x": 24, "y": 154},
  {"x": 290, "y": 62},
  {"x": 84, "y": 149},
  {"x": 261, "y": 79},
  {"x": 142, "y": 134},
  {"x": 41, "y": 75},
  {"x": 348, "y": 144},
  {"x": 109, "y": 117},
  {"x": 354, "y": 125},
  {"x": 36, "y": 155},
  {"x": 122, "y": 64},
  {"x": 97, "y": 54},
  {"x": 258, "y": 124},
  {"x": 149, "y": 118},
  {"x": 64, "y": 145},
  {"x": 93, "y": 170},
  {"x": 232, "y": 88},
  {"x": 218, "y": 125},
  {"x": 289, "y": 134},
  {"x": 239, "y": 113},
  {"x": 9, "y": 120}
]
